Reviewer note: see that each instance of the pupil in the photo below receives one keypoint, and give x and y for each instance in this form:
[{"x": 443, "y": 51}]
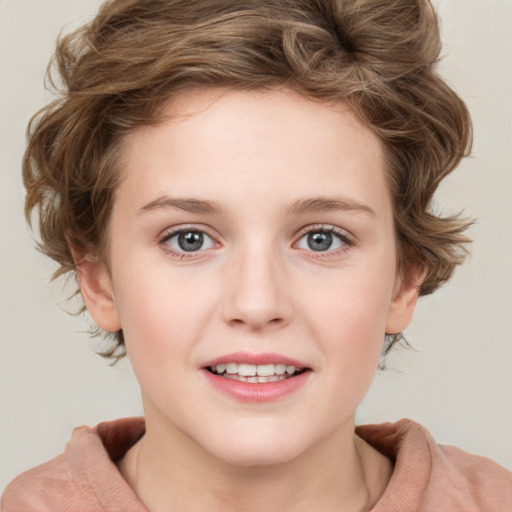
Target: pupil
[
  {"x": 319, "y": 241},
  {"x": 190, "y": 241}
]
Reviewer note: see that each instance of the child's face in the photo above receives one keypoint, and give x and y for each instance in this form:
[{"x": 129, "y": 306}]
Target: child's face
[{"x": 259, "y": 224}]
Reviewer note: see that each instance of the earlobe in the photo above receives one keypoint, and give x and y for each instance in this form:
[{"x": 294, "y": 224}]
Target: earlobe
[
  {"x": 404, "y": 300},
  {"x": 97, "y": 292}
]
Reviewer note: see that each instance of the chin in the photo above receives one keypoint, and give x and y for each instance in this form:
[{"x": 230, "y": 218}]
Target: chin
[
  {"x": 258, "y": 450},
  {"x": 260, "y": 457}
]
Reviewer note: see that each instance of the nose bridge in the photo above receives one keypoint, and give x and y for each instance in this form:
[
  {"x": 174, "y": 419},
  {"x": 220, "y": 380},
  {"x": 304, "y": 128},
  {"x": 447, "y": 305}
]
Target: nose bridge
[{"x": 257, "y": 293}]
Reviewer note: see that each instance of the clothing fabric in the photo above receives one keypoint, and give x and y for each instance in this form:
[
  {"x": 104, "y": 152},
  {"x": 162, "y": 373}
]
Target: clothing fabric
[{"x": 427, "y": 477}]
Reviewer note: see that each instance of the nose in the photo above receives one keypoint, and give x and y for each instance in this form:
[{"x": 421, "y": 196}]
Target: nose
[{"x": 257, "y": 294}]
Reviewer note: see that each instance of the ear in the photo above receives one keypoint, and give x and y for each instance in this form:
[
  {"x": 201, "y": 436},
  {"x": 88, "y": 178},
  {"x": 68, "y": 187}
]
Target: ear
[
  {"x": 405, "y": 295},
  {"x": 97, "y": 291}
]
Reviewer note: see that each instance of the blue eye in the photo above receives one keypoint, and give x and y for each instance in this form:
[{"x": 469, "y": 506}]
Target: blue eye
[
  {"x": 322, "y": 240},
  {"x": 188, "y": 240}
]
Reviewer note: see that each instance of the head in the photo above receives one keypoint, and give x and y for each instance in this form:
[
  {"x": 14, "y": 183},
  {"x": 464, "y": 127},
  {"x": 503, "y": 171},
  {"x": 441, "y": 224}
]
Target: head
[
  {"x": 132, "y": 68},
  {"x": 376, "y": 57}
]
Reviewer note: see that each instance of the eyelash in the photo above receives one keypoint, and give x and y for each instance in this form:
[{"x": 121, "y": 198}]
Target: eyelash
[
  {"x": 345, "y": 239},
  {"x": 163, "y": 242}
]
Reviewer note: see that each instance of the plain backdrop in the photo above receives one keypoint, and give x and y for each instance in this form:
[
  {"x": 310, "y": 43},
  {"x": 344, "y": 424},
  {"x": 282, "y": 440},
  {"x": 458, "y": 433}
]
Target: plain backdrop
[{"x": 457, "y": 381}]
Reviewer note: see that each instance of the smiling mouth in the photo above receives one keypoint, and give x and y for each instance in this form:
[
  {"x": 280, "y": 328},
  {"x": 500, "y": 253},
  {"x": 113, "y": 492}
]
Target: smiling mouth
[{"x": 255, "y": 373}]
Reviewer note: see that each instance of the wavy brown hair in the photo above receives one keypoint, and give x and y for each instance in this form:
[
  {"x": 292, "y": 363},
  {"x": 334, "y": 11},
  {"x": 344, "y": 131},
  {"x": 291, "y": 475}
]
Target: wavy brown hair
[{"x": 115, "y": 73}]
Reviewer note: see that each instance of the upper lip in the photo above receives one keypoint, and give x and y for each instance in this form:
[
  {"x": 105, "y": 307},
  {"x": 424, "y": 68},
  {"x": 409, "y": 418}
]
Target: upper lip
[{"x": 255, "y": 359}]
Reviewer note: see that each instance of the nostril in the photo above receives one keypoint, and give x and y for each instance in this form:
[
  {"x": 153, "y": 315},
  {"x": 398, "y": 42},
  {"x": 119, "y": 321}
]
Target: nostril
[{"x": 257, "y": 324}]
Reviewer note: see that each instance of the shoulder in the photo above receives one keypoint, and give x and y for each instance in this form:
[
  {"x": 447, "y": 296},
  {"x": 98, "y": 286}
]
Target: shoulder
[
  {"x": 44, "y": 488},
  {"x": 430, "y": 476},
  {"x": 83, "y": 478},
  {"x": 488, "y": 483}
]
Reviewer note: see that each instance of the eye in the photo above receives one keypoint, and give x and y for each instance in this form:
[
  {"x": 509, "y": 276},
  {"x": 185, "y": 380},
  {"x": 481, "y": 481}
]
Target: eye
[
  {"x": 322, "y": 240},
  {"x": 188, "y": 240}
]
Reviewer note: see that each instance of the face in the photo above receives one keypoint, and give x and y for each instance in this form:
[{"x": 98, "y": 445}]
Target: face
[{"x": 251, "y": 235}]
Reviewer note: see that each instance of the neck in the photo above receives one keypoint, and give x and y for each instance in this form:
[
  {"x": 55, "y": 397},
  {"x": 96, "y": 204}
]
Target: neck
[{"x": 340, "y": 472}]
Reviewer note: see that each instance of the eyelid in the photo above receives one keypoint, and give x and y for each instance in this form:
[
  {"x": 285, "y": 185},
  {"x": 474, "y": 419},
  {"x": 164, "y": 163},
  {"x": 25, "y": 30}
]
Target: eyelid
[
  {"x": 180, "y": 228},
  {"x": 327, "y": 228}
]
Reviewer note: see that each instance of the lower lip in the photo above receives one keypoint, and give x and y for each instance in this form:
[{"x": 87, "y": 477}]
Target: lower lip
[{"x": 257, "y": 392}]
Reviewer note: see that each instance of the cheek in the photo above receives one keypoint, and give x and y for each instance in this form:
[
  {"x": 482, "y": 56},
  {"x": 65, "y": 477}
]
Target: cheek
[
  {"x": 163, "y": 313},
  {"x": 353, "y": 300},
  {"x": 162, "y": 324},
  {"x": 349, "y": 319}
]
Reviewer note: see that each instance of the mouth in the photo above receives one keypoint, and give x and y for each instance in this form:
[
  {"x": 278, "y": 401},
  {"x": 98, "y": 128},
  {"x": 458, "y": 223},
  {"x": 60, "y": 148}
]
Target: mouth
[
  {"x": 254, "y": 374},
  {"x": 256, "y": 378}
]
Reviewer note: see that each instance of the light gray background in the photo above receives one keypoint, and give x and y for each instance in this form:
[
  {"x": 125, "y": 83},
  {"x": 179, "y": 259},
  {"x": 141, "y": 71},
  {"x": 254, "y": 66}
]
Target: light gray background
[{"x": 458, "y": 382}]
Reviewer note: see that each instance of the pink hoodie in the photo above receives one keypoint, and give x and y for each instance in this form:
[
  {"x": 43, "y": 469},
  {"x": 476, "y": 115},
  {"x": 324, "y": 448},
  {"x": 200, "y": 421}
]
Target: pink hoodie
[{"x": 427, "y": 477}]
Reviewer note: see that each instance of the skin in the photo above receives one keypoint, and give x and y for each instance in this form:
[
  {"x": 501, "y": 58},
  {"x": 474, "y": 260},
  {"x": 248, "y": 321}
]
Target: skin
[{"x": 255, "y": 286}]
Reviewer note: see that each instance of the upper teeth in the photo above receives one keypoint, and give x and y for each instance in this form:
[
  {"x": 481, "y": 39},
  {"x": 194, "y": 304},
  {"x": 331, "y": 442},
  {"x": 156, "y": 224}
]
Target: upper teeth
[{"x": 249, "y": 370}]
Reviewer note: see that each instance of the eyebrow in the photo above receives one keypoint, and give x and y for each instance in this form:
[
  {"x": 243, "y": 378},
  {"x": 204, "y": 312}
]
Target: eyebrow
[
  {"x": 322, "y": 204},
  {"x": 189, "y": 205},
  {"x": 301, "y": 206}
]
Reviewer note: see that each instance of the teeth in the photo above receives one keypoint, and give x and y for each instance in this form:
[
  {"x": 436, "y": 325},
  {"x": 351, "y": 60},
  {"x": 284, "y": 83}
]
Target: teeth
[
  {"x": 246, "y": 370},
  {"x": 255, "y": 379},
  {"x": 231, "y": 368},
  {"x": 280, "y": 369},
  {"x": 255, "y": 373},
  {"x": 265, "y": 370}
]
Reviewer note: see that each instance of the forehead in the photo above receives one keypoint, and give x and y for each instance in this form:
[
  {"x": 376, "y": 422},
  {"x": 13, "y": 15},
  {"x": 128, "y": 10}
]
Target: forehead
[{"x": 240, "y": 147}]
